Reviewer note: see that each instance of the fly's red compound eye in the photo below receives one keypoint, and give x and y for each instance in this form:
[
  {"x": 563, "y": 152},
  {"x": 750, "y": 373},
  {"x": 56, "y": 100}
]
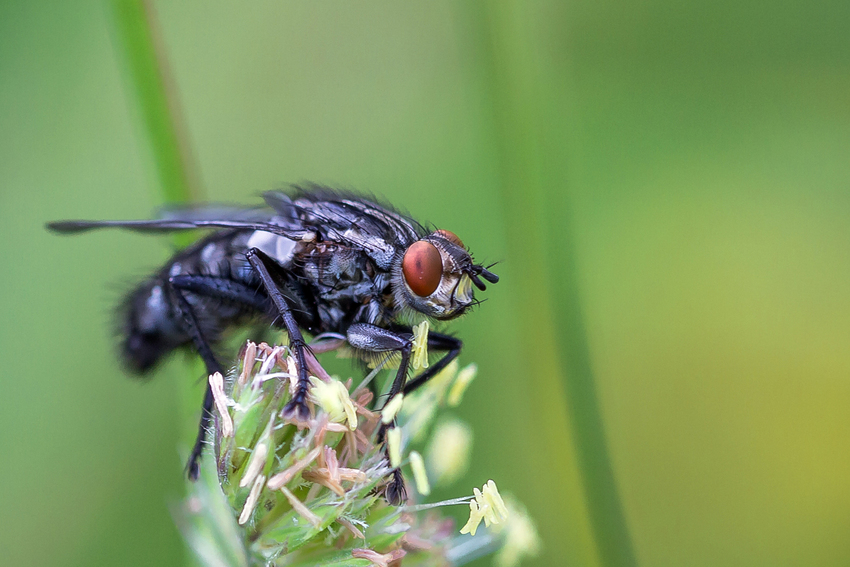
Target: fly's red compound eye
[
  {"x": 450, "y": 236},
  {"x": 422, "y": 267}
]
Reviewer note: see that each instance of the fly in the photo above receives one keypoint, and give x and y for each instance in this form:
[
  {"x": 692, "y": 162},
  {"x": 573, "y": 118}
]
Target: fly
[{"x": 312, "y": 261}]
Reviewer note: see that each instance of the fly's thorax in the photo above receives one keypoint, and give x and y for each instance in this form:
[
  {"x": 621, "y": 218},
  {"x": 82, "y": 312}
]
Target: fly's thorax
[{"x": 433, "y": 276}]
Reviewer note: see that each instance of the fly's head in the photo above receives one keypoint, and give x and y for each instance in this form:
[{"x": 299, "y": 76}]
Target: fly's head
[{"x": 436, "y": 274}]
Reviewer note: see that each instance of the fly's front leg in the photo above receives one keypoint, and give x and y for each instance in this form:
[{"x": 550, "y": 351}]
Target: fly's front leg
[
  {"x": 263, "y": 266},
  {"x": 436, "y": 341},
  {"x": 371, "y": 338},
  {"x": 375, "y": 339}
]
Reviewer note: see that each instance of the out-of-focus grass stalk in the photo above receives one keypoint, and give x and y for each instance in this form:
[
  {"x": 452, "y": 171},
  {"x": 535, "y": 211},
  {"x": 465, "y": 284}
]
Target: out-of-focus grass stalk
[
  {"x": 559, "y": 372},
  {"x": 155, "y": 97}
]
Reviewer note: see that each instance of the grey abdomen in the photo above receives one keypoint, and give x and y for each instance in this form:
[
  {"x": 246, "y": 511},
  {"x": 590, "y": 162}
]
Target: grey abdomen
[
  {"x": 150, "y": 328},
  {"x": 151, "y": 323}
]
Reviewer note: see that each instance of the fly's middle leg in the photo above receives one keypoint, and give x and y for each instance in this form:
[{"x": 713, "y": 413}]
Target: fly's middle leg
[{"x": 264, "y": 266}]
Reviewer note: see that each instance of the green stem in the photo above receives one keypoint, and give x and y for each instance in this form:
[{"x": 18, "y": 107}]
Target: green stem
[{"x": 156, "y": 100}]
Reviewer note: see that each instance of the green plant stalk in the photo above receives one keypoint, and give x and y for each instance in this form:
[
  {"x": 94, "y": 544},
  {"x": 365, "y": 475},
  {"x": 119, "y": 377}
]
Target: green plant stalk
[
  {"x": 156, "y": 101},
  {"x": 533, "y": 189}
]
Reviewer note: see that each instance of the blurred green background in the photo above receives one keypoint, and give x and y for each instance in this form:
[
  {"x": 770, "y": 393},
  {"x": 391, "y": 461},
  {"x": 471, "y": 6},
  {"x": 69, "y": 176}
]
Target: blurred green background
[{"x": 665, "y": 366}]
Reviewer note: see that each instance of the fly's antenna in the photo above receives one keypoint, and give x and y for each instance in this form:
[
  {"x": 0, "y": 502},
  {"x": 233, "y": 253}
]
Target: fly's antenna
[{"x": 479, "y": 270}]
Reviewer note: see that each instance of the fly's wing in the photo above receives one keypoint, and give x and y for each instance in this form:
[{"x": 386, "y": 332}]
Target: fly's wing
[
  {"x": 312, "y": 211},
  {"x": 161, "y": 226},
  {"x": 213, "y": 212},
  {"x": 183, "y": 217}
]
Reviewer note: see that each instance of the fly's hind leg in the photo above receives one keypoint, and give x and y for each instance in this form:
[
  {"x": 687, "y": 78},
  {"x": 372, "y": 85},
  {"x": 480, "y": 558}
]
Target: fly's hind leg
[
  {"x": 192, "y": 327},
  {"x": 219, "y": 288},
  {"x": 264, "y": 266}
]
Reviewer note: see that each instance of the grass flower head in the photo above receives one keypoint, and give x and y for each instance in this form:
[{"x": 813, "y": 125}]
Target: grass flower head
[{"x": 302, "y": 493}]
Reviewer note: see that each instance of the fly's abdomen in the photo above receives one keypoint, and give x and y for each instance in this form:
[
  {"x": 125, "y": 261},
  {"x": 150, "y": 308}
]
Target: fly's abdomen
[
  {"x": 150, "y": 327},
  {"x": 211, "y": 279}
]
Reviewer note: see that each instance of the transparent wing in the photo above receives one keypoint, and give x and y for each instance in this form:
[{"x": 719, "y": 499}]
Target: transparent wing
[
  {"x": 161, "y": 226},
  {"x": 214, "y": 212}
]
